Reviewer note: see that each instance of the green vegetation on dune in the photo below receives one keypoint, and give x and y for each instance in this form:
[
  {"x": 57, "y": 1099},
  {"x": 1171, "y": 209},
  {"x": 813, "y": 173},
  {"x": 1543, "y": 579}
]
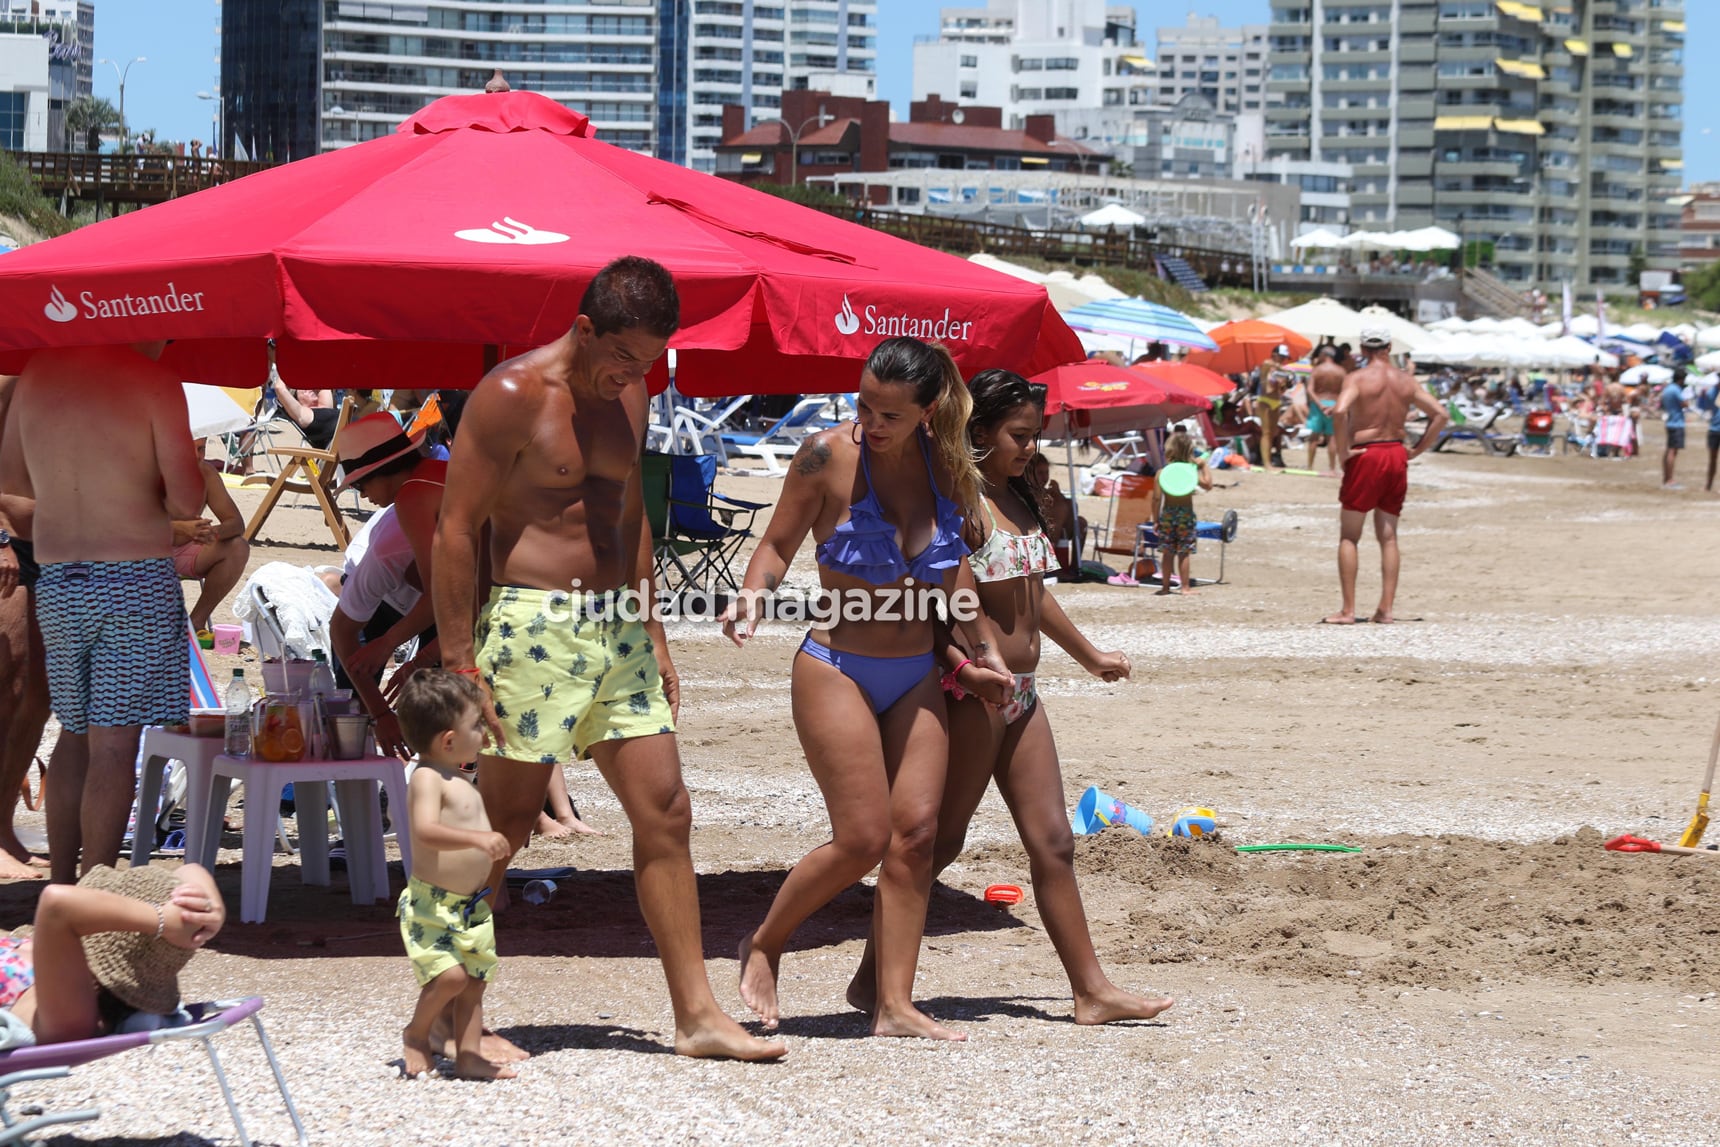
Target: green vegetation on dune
[{"x": 22, "y": 200}]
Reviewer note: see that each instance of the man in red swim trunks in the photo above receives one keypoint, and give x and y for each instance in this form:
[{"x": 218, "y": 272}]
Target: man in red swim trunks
[{"x": 1368, "y": 423}]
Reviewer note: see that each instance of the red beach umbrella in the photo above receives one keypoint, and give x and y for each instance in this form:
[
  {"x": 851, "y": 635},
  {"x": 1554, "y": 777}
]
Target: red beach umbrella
[
  {"x": 1244, "y": 345},
  {"x": 1094, "y": 397},
  {"x": 471, "y": 232}
]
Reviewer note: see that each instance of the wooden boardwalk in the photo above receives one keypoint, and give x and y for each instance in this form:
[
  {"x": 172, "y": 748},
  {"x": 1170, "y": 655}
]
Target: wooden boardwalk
[{"x": 135, "y": 178}]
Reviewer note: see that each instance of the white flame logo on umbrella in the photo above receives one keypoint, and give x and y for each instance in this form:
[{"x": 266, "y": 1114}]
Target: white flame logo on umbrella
[
  {"x": 847, "y": 322},
  {"x": 511, "y": 230},
  {"x": 58, "y": 308}
]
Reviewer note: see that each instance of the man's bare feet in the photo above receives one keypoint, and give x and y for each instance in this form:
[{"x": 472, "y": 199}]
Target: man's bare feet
[
  {"x": 722, "y": 1038},
  {"x": 1339, "y": 619},
  {"x": 1165, "y": 592},
  {"x": 1187, "y": 592},
  {"x": 469, "y": 1066},
  {"x": 1381, "y": 618},
  {"x": 1115, "y": 1004},
  {"x": 911, "y": 1023},
  {"x": 11, "y": 846},
  {"x": 758, "y": 982},
  {"x": 420, "y": 1057}
]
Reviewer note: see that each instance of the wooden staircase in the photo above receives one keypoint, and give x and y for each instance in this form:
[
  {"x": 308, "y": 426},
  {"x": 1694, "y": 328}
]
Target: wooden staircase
[{"x": 1490, "y": 295}]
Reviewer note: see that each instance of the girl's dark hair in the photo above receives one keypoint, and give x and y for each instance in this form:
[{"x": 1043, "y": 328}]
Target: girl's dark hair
[
  {"x": 929, "y": 369},
  {"x": 998, "y": 394}
]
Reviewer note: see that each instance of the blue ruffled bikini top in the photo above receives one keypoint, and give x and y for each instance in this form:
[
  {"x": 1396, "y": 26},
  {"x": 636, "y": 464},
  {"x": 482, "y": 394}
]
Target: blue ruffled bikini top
[{"x": 865, "y": 545}]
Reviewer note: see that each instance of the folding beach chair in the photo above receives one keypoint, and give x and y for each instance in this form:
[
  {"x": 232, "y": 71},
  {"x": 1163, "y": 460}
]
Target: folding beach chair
[
  {"x": 1223, "y": 532},
  {"x": 318, "y": 469},
  {"x": 695, "y": 532},
  {"x": 1126, "y": 512},
  {"x": 784, "y": 436},
  {"x": 55, "y": 1061}
]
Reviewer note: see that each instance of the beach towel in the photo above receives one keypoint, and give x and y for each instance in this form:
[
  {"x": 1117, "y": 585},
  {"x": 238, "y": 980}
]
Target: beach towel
[
  {"x": 1615, "y": 430},
  {"x": 303, "y": 606}
]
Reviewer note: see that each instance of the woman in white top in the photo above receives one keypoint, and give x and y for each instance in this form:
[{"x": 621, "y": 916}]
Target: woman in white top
[{"x": 1010, "y": 557}]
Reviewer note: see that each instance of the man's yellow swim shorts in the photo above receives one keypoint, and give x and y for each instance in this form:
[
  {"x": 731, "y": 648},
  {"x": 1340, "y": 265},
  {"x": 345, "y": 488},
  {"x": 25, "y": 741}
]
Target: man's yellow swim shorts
[
  {"x": 444, "y": 929},
  {"x": 567, "y": 670}
]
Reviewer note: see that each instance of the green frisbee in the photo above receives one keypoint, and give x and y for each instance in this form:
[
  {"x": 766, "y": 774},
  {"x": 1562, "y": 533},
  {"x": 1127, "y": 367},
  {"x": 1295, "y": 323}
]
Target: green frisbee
[{"x": 1179, "y": 478}]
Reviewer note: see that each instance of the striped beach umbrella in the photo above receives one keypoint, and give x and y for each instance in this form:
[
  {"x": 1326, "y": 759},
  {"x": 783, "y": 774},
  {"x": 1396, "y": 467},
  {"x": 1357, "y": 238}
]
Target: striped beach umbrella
[{"x": 1139, "y": 319}]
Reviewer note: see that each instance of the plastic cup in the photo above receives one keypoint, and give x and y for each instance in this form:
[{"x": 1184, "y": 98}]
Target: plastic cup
[
  {"x": 538, "y": 891},
  {"x": 1099, "y": 810},
  {"x": 228, "y": 637}
]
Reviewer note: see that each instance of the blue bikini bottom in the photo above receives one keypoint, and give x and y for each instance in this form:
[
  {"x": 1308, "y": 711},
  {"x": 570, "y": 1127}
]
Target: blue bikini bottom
[{"x": 884, "y": 680}]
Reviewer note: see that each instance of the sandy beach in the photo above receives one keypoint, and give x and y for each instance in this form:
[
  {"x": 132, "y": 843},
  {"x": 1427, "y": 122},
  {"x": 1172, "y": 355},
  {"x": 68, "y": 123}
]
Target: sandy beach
[{"x": 1482, "y": 972}]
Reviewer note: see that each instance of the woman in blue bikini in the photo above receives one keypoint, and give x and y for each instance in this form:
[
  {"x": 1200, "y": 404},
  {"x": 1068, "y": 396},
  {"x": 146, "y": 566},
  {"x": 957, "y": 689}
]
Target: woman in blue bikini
[
  {"x": 1012, "y": 742},
  {"x": 865, "y": 693}
]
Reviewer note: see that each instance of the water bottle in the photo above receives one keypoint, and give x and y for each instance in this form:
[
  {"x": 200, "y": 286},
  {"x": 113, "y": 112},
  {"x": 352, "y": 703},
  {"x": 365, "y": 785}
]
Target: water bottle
[
  {"x": 238, "y": 716},
  {"x": 319, "y": 689},
  {"x": 538, "y": 891}
]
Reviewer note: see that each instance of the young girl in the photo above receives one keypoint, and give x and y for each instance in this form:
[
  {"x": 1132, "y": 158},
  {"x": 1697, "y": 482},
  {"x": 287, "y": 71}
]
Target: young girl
[
  {"x": 1174, "y": 515},
  {"x": 1012, "y": 742},
  {"x": 886, "y": 497}
]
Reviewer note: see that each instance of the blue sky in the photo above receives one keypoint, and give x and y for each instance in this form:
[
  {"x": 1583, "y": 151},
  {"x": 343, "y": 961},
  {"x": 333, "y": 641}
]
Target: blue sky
[{"x": 178, "y": 38}]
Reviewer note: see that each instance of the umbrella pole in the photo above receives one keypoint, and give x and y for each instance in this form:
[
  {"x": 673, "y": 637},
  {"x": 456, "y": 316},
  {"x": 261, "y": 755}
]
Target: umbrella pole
[{"x": 1074, "y": 498}]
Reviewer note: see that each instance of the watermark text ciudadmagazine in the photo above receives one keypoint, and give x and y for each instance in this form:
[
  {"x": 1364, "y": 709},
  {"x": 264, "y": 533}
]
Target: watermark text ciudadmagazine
[{"x": 908, "y": 602}]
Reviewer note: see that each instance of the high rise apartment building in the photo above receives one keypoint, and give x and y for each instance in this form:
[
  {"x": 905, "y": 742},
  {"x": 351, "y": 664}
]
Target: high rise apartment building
[
  {"x": 746, "y": 53},
  {"x": 303, "y": 76},
  {"x": 1549, "y": 130},
  {"x": 1226, "y": 66},
  {"x": 47, "y": 62},
  {"x": 1039, "y": 57}
]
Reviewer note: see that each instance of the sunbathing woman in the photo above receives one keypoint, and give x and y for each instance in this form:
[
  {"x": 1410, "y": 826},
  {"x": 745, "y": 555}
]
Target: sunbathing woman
[
  {"x": 865, "y": 692},
  {"x": 106, "y": 949},
  {"x": 1010, "y": 559}
]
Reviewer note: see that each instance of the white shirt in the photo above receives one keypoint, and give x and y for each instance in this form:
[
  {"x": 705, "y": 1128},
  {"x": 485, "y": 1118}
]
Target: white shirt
[{"x": 378, "y": 574}]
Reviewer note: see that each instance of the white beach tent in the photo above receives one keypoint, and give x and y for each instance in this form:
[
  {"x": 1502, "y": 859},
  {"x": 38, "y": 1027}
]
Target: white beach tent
[
  {"x": 1112, "y": 215},
  {"x": 1709, "y": 361},
  {"x": 1708, "y": 338},
  {"x": 1317, "y": 240},
  {"x": 1322, "y": 318},
  {"x": 1429, "y": 239}
]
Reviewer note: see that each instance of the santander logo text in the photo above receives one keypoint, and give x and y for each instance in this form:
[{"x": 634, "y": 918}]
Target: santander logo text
[
  {"x": 171, "y": 301},
  {"x": 881, "y": 324},
  {"x": 511, "y": 230}
]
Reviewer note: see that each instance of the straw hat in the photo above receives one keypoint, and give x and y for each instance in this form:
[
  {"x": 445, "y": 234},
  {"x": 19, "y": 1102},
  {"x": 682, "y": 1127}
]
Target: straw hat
[
  {"x": 140, "y": 970},
  {"x": 372, "y": 441}
]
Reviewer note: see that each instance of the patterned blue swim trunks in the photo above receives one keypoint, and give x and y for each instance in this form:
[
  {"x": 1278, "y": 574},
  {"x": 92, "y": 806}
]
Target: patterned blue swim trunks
[{"x": 114, "y": 633}]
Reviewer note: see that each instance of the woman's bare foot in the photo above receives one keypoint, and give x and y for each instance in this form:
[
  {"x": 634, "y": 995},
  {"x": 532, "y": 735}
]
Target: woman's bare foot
[
  {"x": 1186, "y": 592},
  {"x": 470, "y": 1066},
  {"x": 1165, "y": 592},
  {"x": 722, "y": 1038},
  {"x": 911, "y": 1023},
  {"x": 1114, "y": 1004},
  {"x": 758, "y": 982},
  {"x": 862, "y": 992},
  {"x": 549, "y": 828},
  {"x": 1339, "y": 619},
  {"x": 11, "y": 868},
  {"x": 1382, "y": 618},
  {"x": 11, "y": 846},
  {"x": 420, "y": 1057}
]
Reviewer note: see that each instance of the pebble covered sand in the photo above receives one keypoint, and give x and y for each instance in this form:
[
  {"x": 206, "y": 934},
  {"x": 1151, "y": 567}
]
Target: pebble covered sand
[{"x": 1483, "y": 972}]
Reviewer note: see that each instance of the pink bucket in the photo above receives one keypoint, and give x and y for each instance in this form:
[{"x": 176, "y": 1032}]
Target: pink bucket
[{"x": 228, "y": 637}]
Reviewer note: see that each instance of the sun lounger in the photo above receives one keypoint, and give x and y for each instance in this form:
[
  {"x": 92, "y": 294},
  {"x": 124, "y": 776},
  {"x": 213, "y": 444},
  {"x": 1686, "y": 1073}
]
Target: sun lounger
[
  {"x": 55, "y": 1061},
  {"x": 783, "y": 438}
]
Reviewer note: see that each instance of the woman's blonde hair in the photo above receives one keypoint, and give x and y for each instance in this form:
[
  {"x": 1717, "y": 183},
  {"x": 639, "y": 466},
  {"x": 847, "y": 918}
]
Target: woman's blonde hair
[
  {"x": 933, "y": 374},
  {"x": 1179, "y": 447}
]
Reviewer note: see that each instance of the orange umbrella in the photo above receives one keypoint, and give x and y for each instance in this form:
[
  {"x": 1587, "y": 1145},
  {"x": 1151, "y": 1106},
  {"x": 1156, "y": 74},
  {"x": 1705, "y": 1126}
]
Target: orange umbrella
[
  {"x": 1188, "y": 376},
  {"x": 1242, "y": 346}
]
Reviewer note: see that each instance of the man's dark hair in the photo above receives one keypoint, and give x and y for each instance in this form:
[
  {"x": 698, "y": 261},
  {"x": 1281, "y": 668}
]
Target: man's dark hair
[
  {"x": 1327, "y": 350},
  {"x": 632, "y": 292},
  {"x": 1678, "y": 376},
  {"x": 432, "y": 702}
]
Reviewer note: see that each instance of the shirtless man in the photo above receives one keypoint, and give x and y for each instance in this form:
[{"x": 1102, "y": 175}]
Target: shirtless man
[
  {"x": 1369, "y": 424},
  {"x": 548, "y": 454},
  {"x": 1324, "y": 385},
  {"x": 23, "y": 671},
  {"x": 109, "y": 604}
]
